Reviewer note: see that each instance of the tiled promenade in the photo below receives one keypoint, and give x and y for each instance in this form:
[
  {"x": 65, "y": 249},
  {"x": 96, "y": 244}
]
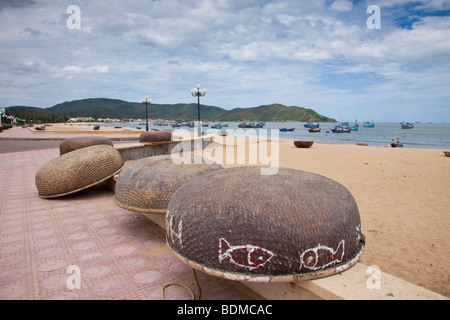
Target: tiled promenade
[
  {"x": 24, "y": 133},
  {"x": 48, "y": 247}
]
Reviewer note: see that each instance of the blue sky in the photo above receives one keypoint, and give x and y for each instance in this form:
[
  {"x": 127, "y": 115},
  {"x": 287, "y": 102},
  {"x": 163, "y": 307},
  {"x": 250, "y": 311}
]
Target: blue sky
[{"x": 315, "y": 54}]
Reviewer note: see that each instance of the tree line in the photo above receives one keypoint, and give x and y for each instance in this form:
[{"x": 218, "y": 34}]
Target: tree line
[{"x": 36, "y": 116}]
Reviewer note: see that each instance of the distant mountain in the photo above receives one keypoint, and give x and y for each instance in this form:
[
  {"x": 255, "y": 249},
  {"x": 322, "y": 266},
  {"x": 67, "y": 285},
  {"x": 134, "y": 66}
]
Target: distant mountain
[
  {"x": 113, "y": 108},
  {"x": 275, "y": 112}
]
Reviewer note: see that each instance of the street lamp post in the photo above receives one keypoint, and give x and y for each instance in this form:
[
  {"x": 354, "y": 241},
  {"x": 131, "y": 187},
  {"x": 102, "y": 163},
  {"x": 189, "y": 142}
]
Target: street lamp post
[
  {"x": 146, "y": 101},
  {"x": 197, "y": 92}
]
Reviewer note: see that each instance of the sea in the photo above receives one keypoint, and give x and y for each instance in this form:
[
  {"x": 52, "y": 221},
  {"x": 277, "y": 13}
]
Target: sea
[{"x": 423, "y": 135}]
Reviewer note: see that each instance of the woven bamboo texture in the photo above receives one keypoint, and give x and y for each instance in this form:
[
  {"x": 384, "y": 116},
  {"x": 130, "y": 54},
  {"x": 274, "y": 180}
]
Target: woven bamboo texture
[
  {"x": 155, "y": 136},
  {"x": 75, "y": 143},
  {"x": 238, "y": 224},
  {"x": 77, "y": 170},
  {"x": 147, "y": 185}
]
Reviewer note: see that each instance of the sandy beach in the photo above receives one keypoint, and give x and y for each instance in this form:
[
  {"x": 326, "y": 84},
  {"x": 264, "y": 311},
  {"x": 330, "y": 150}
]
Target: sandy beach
[
  {"x": 85, "y": 128},
  {"x": 402, "y": 196}
]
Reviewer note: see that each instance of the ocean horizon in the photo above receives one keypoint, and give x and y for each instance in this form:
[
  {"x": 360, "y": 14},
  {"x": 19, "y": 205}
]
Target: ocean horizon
[{"x": 423, "y": 135}]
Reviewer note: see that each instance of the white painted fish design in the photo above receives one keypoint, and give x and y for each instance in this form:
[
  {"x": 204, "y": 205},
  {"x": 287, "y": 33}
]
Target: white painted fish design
[
  {"x": 175, "y": 235},
  {"x": 247, "y": 256},
  {"x": 322, "y": 256}
]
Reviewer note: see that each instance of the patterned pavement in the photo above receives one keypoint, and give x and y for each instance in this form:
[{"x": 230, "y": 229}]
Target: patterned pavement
[
  {"x": 84, "y": 247},
  {"x": 24, "y": 133}
]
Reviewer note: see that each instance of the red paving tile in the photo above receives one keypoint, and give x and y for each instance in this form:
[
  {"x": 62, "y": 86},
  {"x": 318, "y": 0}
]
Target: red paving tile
[
  {"x": 118, "y": 254},
  {"x": 24, "y": 133}
]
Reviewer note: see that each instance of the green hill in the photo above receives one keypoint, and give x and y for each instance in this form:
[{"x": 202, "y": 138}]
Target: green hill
[
  {"x": 275, "y": 112},
  {"x": 113, "y": 108}
]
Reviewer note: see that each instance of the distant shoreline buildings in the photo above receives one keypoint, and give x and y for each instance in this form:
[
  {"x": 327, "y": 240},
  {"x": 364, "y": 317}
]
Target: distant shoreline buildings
[{"x": 108, "y": 120}]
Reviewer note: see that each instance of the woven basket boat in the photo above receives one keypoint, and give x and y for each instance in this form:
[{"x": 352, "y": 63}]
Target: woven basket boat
[
  {"x": 155, "y": 136},
  {"x": 77, "y": 170},
  {"x": 76, "y": 143},
  {"x": 303, "y": 144},
  {"x": 147, "y": 185},
  {"x": 240, "y": 225},
  {"x": 447, "y": 153}
]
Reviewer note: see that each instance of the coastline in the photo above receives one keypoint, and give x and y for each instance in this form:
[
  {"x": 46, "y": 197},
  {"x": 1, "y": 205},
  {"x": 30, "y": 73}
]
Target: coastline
[{"x": 429, "y": 136}]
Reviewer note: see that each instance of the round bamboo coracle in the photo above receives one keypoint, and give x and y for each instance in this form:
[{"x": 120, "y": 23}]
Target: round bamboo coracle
[
  {"x": 77, "y": 170},
  {"x": 240, "y": 225},
  {"x": 75, "y": 143},
  {"x": 155, "y": 136},
  {"x": 303, "y": 144},
  {"x": 148, "y": 184}
]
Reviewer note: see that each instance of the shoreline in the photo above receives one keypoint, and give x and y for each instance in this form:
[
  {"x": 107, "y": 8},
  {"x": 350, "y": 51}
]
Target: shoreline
[{"x": 59, "y": 130}]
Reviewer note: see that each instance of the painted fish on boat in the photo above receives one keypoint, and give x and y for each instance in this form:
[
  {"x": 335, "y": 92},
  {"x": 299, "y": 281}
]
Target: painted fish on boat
[
  {"x": 247, "y": 256},
  {"x": 322, "y": 256},
  {"x": 171, "y": 231}
]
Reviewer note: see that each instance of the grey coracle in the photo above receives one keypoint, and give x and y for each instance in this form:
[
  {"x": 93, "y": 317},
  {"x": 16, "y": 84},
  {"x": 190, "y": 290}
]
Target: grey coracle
[
  {"x": 75, "y": 143},
  {"x": 155, "y": 136},
  {"x": 240, "y": 225},
  {"x": 77, "y": 170},
  {"x": 147, "y": 185}
]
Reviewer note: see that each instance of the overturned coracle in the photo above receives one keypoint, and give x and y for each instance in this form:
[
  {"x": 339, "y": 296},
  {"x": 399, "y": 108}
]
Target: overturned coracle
[
  {"x": 75, "y": 143},
  {"x": 147, "y": 185},
  {"x": 240, "y": 225},
  {"x": 77, "y": 170},
  {"x": 155, "y": 136},
  {"x": 303, "y": 144}
]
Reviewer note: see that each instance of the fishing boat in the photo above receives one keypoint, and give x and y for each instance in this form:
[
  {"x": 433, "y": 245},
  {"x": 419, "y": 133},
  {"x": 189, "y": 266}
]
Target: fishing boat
[
  {"x": 341, "y": 128},
  {"x": 286, "y": 129},
  {"x": 314, "y": 129},
  {"x": 337, "y": 129},
  {"x": 368, "y": 124},
  {"x": 216, "y": 126},
  {"x": 251, "y": 125},
  {"x": 407, "y": 125},
  {"x": 312, "y": 125},
  {"x": 186, "y": 124}
]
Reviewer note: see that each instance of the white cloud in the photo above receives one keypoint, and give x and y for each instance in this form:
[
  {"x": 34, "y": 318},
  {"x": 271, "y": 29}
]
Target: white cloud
[
  {"x": 81, "y": 69},
  {"x": 342, "y": 5}
]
